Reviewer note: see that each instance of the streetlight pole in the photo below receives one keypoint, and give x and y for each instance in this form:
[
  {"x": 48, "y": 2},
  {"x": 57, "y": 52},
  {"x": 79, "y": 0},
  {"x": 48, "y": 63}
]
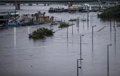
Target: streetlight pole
[
  {"x": 80, "y": 66},
  {"x": 108, "y": 58},
  {"x": 92, "y": 37},
  {"x": 81, "y": 50},
  {"x": 81, "y": 46}
]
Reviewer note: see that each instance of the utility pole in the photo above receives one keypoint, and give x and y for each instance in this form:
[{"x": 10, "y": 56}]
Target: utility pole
[
  {"x": 108, "y": 58},
  {"x": 80, "y": 66},
  {"x": 81, "y": 46},
  {"x": 81, "y": 50},
  {"x": 92, "y": 37}
]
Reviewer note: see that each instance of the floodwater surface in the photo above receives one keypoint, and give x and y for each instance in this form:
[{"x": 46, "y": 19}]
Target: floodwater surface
[{"x": 57, "y": 55}]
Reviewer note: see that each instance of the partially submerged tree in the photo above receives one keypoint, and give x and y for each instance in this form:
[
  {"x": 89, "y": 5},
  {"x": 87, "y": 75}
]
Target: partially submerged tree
[
  {"x": 63, "y": 25},
  {"x": 41, "y": 33}
]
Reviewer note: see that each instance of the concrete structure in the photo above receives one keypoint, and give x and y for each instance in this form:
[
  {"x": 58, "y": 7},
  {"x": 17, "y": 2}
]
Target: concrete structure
[{"x": 18, "y": 2}]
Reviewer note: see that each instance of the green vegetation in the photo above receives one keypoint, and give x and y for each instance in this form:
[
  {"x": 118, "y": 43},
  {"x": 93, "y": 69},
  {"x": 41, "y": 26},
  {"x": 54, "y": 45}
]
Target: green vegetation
[
  {"x": 63, "y": 25},
  {"x": 41, "y": 33},
  {"x": 111, "y": 13}
]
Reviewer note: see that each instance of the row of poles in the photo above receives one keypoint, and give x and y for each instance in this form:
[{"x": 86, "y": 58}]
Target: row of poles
[{"x": 79, "y": 61}]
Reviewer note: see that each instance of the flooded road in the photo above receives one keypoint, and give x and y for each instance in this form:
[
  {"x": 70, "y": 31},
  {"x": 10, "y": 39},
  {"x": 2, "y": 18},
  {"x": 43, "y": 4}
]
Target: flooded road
[{"x": 57, "y": 55}]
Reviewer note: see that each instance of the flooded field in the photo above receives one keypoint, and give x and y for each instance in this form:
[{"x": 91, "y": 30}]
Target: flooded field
[{"x": 57, "y": 55}]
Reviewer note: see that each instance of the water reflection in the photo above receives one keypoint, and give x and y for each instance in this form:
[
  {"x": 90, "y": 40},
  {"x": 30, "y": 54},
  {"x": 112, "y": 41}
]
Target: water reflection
[
  {"x": 115, "y": 37},
  {"x": 14, "y": 29},
  {"x": 110, "y": 31},
  {"x": 77, "y": 24},
  {"x": 88, "y": 20},
  {"x": 72, "y": 28},
  {"x": 28, "y": 28}
]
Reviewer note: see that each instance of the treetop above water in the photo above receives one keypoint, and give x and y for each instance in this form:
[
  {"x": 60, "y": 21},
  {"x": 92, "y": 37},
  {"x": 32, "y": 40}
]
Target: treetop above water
[{"x": 111, "y": 13}]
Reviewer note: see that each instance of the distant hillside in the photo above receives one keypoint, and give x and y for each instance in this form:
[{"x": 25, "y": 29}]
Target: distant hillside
[{"x": 112, "y": 12}]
